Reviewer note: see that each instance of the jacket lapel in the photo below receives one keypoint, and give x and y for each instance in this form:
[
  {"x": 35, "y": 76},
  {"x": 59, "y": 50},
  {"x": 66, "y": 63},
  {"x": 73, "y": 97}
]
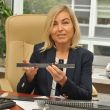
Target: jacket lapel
[
  {"x": 50, "y": 59},
  {"x": 71, "y": 60}
]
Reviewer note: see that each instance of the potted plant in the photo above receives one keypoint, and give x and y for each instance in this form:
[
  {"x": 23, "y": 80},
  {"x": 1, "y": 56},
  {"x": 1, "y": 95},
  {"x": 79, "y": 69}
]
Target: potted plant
[{"x": 5, "y": 12}]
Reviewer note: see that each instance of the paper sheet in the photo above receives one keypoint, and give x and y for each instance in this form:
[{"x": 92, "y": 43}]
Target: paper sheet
[
  {"x": 45, "y": 97},
  {"x": 42, "y": 97},
  {"x": 27, "y": 105}
]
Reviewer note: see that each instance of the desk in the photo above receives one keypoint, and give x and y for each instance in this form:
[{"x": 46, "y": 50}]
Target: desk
[
  {"x": 101, "y": 97},
  {"x": 101, "y": 82},
  {"x": 14, "y": 94}
]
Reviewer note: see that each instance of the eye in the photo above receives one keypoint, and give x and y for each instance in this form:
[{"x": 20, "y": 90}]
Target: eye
[
  {"x": 66, "y": 22},
  {"x": 55, "y": 23}
]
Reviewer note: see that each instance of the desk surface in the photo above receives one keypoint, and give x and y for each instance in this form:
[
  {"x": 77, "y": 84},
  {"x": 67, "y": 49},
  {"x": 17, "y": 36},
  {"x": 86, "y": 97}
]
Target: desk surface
[
  {"x": 102, "y": 97},
  {"x": 100, "y": 78},
  {"x": 14, "y": 94}
]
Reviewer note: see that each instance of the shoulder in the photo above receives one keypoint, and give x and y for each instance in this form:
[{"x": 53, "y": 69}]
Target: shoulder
[
  {"x": 39, "y": 45},
  {"x": 84, "y": 53},
  {"x": 35, "y": 57},
  {"x": 40, "y": 48}
]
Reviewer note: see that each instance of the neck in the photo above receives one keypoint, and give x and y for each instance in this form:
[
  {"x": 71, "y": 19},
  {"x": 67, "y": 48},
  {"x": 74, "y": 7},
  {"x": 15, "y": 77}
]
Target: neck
[
  {"x": 62, "y": 52},
  {"x": 63, "y": 48}
]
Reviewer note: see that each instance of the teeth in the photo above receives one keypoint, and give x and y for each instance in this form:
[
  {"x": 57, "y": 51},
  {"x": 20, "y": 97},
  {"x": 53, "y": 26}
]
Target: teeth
[{"x": 61, "y": 34}]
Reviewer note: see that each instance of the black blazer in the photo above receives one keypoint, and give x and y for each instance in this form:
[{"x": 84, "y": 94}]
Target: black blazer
[{"x": 79, "y": 81}]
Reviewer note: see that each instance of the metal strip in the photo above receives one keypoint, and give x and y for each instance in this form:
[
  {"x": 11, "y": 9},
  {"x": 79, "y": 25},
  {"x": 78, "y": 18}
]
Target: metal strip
[{"x": 44, "y": 65}]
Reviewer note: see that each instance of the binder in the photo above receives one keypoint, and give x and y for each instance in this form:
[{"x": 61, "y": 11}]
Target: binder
[{"x": 68, "y": 103}]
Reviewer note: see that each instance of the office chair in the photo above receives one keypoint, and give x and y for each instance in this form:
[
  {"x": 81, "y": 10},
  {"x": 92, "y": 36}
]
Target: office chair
[
  {"x": 94, "y": 91},
  {"x": 22, "y": 32}
]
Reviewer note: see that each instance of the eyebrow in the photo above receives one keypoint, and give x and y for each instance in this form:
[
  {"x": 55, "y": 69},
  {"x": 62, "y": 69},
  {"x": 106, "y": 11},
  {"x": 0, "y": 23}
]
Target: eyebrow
[{"x": 64, "y": 19}]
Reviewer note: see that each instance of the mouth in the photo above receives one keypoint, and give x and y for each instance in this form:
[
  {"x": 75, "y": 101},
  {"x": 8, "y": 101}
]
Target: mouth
[{"x": 61, "y": 35}]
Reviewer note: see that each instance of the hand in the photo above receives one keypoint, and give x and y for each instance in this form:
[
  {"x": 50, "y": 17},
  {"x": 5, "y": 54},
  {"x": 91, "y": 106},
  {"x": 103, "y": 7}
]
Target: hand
[
  {"x": 57, "y": 74},
  {"x": 30, "y": 71}
]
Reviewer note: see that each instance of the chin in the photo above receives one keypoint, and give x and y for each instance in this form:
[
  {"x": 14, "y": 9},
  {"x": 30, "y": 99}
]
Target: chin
[{"x": 62, "y": 42}]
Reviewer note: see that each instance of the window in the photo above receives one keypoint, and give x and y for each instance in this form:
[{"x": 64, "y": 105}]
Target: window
[
  {"x": 103, "y": 12},
  {"x": 42, "y": 6},
  {"x": 102, "y": 50},
  {"x": 102, "y": 28},
  {"x": 94, "y": 19},
  {"x": 84, "y": 46},
  {"x": 82, "y": 10},
  {"x": 9, "y": 3}
]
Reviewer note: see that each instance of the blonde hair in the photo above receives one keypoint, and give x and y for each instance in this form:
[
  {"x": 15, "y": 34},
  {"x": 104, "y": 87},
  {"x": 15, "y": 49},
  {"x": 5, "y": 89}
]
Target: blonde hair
[{"x": 49, "y": 23}]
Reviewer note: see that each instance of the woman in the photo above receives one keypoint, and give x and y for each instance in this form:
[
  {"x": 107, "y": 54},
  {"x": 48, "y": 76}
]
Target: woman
[{"x": 63, "y": 34}]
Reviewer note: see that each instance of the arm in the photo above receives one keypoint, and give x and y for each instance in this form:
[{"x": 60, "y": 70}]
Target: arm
[
  {"x": 26, "y": 84},
  {"x": 84, "y": 89}
]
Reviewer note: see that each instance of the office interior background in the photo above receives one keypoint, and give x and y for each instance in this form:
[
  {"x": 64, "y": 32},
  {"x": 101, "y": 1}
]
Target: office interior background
[{"x": 94, "y": 19}]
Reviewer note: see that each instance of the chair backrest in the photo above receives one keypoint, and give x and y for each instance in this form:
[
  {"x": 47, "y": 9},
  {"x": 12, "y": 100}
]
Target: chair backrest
[{"x": 22, "y": 32}]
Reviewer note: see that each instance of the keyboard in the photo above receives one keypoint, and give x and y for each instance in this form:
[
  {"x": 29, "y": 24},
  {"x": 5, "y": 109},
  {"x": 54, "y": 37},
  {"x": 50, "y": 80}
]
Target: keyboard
[{"x": 6, "y": 103}]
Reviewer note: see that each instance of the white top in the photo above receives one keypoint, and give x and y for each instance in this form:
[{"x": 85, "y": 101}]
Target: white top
[{"x": 53, "y": 89}]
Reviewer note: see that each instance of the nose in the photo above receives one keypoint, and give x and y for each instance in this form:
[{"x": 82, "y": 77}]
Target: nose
[{"x": 60, "y": 27}]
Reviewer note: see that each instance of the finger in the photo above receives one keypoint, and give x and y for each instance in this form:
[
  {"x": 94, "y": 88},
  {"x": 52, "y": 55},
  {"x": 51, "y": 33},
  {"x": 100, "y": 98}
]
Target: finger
[
  {"x": 30, "y": 70},
  {"x": 56, "y": 76},
  {"x": 57, "y": 69},
  {"x": 35, "y": 69},
  {"x": 51, "y": 71},
  {"x": 26, "y": 68},
  {"x": 60, "y": 73},
  {"x": 25, "y": 61},
  {"x": 48, "y": 68}
]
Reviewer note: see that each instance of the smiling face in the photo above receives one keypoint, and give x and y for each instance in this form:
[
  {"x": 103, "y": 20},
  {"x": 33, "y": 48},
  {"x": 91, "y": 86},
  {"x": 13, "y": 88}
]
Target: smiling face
[{"x": 62, "y": 30}]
